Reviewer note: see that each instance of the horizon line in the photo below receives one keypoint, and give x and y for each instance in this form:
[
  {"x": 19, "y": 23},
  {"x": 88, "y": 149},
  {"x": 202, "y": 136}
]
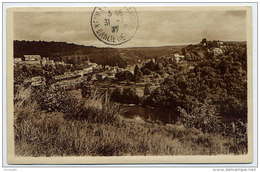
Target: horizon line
[{"x": 109, "y": 46}]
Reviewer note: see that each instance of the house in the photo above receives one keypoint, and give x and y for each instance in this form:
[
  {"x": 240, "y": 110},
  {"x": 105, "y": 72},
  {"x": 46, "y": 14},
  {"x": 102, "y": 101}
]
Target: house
[
  {"x": 93, "y": 64},
  {"x": 101, "y": 76},
  {"x": 68, "y": 76},
  {"x": 45, "y": 58},
  {"x": 217, "y": 51},
  {"x": 112, "y": 70},
  {"x": 35, "y": 81},
  {"x": 32, "y": 57},
  {"x": 93, "y": 78},
  {"x": 87, "y": 70},
  {"x": 50, "y": 62},
  {"x": 44, "y": 61},
  {"x": 178, "y": 57},
  {"x": 220, "y": 44},
  {"x": 38, "y": 81},
  {"x": 60, "y": 63},
  {"x": 17, "y": 60}
]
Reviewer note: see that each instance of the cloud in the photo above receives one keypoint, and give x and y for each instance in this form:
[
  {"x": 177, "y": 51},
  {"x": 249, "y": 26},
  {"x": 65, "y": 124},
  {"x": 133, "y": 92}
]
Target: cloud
[{"x": 156, "y": 27}]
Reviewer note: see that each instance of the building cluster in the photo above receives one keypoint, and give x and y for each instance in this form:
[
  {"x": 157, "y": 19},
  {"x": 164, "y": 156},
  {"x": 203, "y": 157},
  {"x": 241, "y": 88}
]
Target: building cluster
[
  {"x": 78, "y": 73},
  {"x": 109, "y": 72},
  {"x": 95, "y": 72},
  {"x": 217, "y": 51},
  {"x": 68, "y": 84},
  {"x": 37, "y": 60},
  {"x": 175, "y": 57},
  {"x": 35, "y": 81},
  {"x": 65, "y": 78},
  {"x": 215, "y": 47}
]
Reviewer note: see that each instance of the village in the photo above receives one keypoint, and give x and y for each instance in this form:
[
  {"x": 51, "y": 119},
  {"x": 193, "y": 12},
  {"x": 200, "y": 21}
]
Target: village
[{"x": 141, "y": 78}]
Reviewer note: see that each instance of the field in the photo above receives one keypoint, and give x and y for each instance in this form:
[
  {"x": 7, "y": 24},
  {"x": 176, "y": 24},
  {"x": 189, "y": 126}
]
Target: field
[{"x": 39, "y": 133}]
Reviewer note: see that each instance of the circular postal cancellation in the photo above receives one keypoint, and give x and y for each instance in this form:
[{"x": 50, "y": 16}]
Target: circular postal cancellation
[{"x": 114, "y": 25}]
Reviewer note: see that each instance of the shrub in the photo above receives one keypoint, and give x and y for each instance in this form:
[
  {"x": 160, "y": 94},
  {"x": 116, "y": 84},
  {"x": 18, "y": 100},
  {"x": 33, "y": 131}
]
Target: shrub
[
  {"x": 97, "y": 108},
  {"x": 146, "y": 71},
  {"x": 151, "y": 65},
  {"x": 202, "y": 116},
  {"x": 55, "y": 100},
  {"x": 237, "y": 132},
  {"x": 124, "y": 75},
  {"x": 22, "y": 96},
  {"x": 125, "y": 95},
  {"x": 147, "y": 89}
]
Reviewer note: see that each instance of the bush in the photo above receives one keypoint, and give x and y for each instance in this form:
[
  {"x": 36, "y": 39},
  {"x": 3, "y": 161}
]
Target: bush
[
  {"x": 55, "y": 100},
  {"x": 202, "y": 116},
  {"x": 147, "y": 89},
  {"x": 125, "y": 95},
  {"x": 146, "y": 71},
  {"x": 151, "y": 65},
  {"x": 237, "y": 131},
  {"x": 97, "y": 108},
  {"x": 124, "y": 75}
]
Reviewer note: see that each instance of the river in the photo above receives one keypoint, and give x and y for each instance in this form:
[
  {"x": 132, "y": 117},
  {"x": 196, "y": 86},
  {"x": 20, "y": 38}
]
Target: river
[{"x": 148, "y": 113}]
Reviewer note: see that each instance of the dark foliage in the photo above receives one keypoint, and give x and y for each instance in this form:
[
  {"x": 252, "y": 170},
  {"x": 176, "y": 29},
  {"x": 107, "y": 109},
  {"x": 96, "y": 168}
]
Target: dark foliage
[
  {"x": 124, "y": 75},
  {"x": 220, "y": 80},
  {"x": 137, "y": 74},
  {"x": 69, "y": 52},
  {"x": 151, "y": 65},
  {"x": 55, "y": 100},
  {"x": 125, "y": 95},
  {"x": 146, "y": 71}
]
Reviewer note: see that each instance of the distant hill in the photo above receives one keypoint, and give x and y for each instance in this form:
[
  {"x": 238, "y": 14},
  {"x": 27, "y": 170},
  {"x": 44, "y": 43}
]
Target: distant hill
[{"x": 79, "y": 53}]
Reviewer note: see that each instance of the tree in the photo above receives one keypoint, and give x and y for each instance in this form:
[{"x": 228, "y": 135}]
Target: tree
[
  {"x": 147, "y": 89},
  {"x": 204, "y": 41},
  {"x": 137, "y": 73}
]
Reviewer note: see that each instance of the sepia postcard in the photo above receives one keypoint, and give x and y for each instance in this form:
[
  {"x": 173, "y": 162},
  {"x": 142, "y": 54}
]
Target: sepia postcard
[{"x": 129, "y": 84}]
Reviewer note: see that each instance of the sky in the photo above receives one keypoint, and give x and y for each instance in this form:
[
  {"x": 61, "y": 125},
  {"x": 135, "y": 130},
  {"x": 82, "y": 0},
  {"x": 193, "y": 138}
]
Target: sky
[{"x": 157, "y": 27}]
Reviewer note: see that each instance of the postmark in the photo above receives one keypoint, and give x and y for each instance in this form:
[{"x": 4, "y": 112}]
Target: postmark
[{"x": 114, "y": 25}]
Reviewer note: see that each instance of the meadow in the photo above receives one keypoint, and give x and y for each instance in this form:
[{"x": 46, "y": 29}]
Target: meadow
[{"x": 95, "y": 127}]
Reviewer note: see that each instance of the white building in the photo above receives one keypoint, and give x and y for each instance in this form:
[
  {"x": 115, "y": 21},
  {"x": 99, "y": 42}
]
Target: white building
[
  {"x": 220, "y": 43},
  {"x": 88, "y": 70},
  {"x": 60, "y": 63},
  {"x": 178, "y": 57},
  {"x": 17, "y": 60},
  {"x": 32, "y": 57},
  {"x": 217, "y": 51},
  {"x": 50, "y": 62},
  {"x": 93, "y": 64}
]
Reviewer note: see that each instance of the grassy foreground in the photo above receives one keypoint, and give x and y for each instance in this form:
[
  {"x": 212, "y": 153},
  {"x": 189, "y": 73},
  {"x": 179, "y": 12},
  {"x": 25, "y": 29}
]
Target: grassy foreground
[{"x": 101, "y": 131}]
